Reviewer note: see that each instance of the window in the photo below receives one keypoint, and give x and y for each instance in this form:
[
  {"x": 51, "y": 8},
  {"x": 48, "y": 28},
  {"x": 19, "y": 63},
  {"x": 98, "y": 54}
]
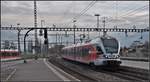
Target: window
[
  {"x": 98, "y": 48},
  {"x": 110, "y": 45}
]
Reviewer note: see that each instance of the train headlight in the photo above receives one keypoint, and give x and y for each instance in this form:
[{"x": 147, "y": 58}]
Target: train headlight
[
  {"x": 117, "y": 56},
  {"x": 105, "y": 56}
]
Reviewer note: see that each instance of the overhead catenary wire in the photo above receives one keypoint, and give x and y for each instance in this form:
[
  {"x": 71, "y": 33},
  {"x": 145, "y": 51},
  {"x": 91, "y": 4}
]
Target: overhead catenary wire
[
  {"x": 82, "y": 12},
  {"x": 129, "y": 12},
  {"x": 67, "y": 11}
]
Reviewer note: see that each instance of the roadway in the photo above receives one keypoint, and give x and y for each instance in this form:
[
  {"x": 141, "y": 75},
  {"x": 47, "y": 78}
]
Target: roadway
[{"x": 39, "y": 70}]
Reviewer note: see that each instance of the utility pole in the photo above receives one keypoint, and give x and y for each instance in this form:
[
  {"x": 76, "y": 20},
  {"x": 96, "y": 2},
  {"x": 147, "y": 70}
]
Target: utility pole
[
  {"x": 35, "y": 25},
  {"x": 19, "y": 50},
  {"x": 104, "y": 21},
  {"x": 98, "y": 22},
  {"x": 66, "y": 37},
  {"x": 74, "y": 26},
  {"x": 56, "y": 38},
  {"x": 61, "y": 39},
  {"x": 41, "y": 31}
]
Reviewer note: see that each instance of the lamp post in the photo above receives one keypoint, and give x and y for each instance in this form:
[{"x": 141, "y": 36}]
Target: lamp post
[{"x": 97, "y": 15}]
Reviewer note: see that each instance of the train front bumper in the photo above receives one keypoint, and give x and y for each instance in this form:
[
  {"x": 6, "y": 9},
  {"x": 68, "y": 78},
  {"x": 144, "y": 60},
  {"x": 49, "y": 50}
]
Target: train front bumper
[
  {"x": 107, "y": 62},
  {"x": 111, "y": 62}
]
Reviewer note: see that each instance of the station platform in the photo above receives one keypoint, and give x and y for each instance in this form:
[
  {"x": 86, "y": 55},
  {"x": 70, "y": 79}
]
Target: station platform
[
  {"x": 135, "y": 64},
  {"x": 38, "y": 70}
]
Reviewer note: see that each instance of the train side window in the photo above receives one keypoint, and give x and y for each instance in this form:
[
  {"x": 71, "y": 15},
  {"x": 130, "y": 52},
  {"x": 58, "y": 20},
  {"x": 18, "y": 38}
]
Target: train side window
[
  {"x": 12, "y": 54},
  {"x": 65, "y": 52},
  {"x": 75, "y": 51},
  {"x": 2, "y": 54},
  {"x": 86, "y": 51},
  {"x": 62, "y": 52},
  {"x": 83, "y": 51},
  {"x": 8, "y": 54},
  {"x": 68, "y": 51},
  {"x": 99, "y": 50},
  {"x": 71, "y": 51},
  {"x": 78, "y": 52}
]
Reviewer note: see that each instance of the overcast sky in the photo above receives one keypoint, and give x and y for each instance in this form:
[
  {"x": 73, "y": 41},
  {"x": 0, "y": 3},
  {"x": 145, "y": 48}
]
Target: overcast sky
[
  {"x": 61, "y": 12},
  {"x": 124, "y": 14}
]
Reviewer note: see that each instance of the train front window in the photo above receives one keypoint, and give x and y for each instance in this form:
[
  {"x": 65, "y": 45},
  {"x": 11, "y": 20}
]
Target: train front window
[
  {"x": 99, "y": 50},
  {"x": 110, "y": 45}
]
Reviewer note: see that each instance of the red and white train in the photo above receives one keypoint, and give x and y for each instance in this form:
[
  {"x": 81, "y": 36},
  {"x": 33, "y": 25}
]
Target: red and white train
[
  {"x": 9, "y": 54},
  {"x": 102, "y": 50}
]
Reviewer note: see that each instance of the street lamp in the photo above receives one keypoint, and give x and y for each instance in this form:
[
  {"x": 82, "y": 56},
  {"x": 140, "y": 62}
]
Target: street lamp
[{"x": 97, "y": 21}]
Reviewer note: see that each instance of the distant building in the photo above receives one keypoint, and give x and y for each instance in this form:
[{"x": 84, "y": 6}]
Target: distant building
[{"x": 137, "y": 44}]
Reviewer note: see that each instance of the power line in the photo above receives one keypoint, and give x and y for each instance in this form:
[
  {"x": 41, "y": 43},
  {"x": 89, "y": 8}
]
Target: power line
[
  {"x": 83, "y": 11},
  {"x": 133, "y": 11},
  {"x": 67, "y": 10}
]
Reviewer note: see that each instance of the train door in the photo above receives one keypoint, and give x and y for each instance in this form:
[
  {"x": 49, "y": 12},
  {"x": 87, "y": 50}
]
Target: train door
[
  {"x": 85, "y": 54},
  {"x": 92, "y": 52}
]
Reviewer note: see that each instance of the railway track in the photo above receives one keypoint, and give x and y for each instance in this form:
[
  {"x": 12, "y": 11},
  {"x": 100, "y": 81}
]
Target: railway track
[
  {"x": 128, "y": 74},
  {"x": 137, "y": 73},
  {"x": 122, "y": 74},
  {"x": 71, "y": 71}
]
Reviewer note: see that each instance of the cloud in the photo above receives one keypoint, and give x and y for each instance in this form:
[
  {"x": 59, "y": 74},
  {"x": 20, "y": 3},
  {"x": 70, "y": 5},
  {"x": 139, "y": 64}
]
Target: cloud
[
  {"x": 59, "y": 12},
  {"x": 62, "y": 12}
]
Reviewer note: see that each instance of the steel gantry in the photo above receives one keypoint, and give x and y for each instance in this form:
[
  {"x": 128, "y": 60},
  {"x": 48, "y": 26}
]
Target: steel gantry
[
  {"x": 82, "y": 29},
  {"x": 74, "y": 29}
]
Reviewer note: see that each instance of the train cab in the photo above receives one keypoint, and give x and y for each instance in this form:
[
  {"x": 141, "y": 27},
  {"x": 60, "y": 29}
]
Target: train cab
[{"x": 108, "y": 51}]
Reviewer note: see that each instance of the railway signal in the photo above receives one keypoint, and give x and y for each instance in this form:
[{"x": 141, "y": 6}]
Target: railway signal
[{"x": 45, "y": 33}]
